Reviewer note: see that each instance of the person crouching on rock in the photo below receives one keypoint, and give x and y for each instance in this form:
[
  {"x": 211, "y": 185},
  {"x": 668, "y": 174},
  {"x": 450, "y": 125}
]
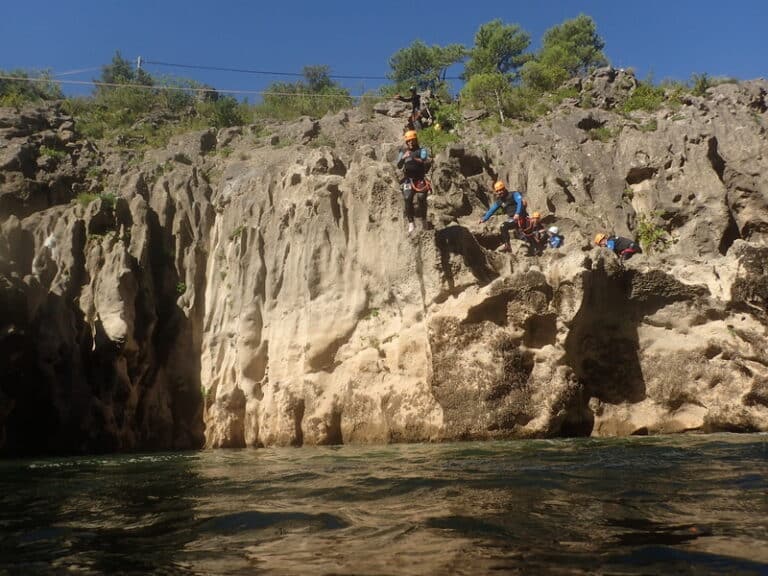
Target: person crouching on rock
[
  {"x": 624, "y": 248},
  {"x": 533, "y": 232},
  {"x": 513, "y": 205},
  {"x": 554, "y": 239},
  {"x": 414, "y": 161}
]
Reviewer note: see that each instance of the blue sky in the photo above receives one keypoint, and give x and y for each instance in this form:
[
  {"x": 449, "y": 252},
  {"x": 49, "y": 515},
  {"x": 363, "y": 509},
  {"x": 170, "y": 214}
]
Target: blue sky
[{"x": 667, "y": 39}]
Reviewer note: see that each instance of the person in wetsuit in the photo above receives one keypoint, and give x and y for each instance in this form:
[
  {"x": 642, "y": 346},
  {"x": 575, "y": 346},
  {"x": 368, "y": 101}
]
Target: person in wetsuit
[{"x": 513, "y": 204}]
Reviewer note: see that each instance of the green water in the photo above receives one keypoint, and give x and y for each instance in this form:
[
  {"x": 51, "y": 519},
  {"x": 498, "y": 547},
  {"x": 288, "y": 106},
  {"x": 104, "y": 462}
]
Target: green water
[{"x": 658, "y": 505}]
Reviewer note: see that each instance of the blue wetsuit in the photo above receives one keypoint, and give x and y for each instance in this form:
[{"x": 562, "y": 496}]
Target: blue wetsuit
[{"x": 508, "y": 202}]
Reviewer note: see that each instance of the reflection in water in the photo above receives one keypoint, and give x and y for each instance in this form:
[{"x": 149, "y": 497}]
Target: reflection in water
[{"x": 686, "y": 504}]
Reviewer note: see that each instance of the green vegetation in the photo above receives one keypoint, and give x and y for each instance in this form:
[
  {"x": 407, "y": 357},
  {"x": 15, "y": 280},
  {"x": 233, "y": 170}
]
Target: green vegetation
[
  {"x": 372, "y": 313},
  {"x": 436, "y": 140},
  {"x": 700, "y": 83},
  {"x": 568, "y": 50},
  {"x": 95, "y": 172},
  {"x": 602, "y": 133},
  {"x": 563, "y": 93},
  {"x": 424, "y": 66},
  {"x": 30, "y": 88},
  {"x": 650, "y": 126},
  {"x": 109, "y": 199},
  {"x": 502, "y": 79},
  {"x": 447, "y": 115},
  {"x": 645, "y": 97},
  {"x": 651, "y": 236},
  {"x": 136, "y": 110},
  {"x": 52, "y": 153},
  {"x": 490, "y": 92},
  {"x": 181, "y": 288},
  {"x": 237, "y": 232},
  {"x": 315, "y": 96},
  {"x": 498, "y": 49},
  {"x": 491, "y": 126},
  {"x": 85, "y": 198}
]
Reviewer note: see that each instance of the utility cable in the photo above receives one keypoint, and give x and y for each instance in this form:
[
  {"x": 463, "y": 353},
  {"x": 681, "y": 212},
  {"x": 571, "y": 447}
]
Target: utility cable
[
  {"x": 271, "y": 73},
  {"x": 262, "y": 72},
  {"x": 180, "y": 88},
  {"x": 73, "y": 72}
]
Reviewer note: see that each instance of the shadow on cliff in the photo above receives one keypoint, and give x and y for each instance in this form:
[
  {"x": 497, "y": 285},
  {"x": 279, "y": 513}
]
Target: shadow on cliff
[
  {"x": 602, "y": 344},
  {"x": 66, "y": 387},
  {"x": 457, "y": 240},
  {"x": 602, "y": 348}
]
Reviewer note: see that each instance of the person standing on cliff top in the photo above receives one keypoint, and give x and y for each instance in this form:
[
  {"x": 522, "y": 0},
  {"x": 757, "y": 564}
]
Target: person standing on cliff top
[
  {"x": 514, "y": 205},
  {"x": 415, "y": 99},
  {"x": 414, "y": 161},
  {"x": 624, "y": 248}
]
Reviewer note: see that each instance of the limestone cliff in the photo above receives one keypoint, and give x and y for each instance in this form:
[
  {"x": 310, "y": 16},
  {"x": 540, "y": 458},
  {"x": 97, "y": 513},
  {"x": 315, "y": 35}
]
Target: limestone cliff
[{"x": 257, "y": 286}]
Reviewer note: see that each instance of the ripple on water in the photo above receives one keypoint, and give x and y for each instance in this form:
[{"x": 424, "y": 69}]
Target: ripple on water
[{"x": 627, "y": 506}]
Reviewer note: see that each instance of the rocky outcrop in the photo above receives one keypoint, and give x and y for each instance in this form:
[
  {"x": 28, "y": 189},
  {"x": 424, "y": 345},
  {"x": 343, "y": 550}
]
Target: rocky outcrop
[
  {"x": 257, "y": 287},
  {"x": 42, "y": 163}
]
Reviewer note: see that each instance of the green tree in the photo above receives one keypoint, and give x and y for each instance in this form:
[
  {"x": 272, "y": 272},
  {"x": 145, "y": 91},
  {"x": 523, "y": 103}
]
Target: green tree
[
  {"x": 120, "y": 71},
  {"x": 318, "y": 77},
  {"x": 574, "y": 45},
  {"x": 498, "y": 48},
  {"x": 570, "y": 49},
  {"x": 488, "y": 92},
  {"x": 425, "y": 66},
  {"x": 543, "y": 76}
]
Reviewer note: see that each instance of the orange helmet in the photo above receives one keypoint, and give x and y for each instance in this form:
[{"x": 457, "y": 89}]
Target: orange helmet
[
  {"x": 498, "y": 186},
  {"x": 536, "y": 215},
  {"x": 411, "y": 135},
  {"x": 599, "y": 237}
]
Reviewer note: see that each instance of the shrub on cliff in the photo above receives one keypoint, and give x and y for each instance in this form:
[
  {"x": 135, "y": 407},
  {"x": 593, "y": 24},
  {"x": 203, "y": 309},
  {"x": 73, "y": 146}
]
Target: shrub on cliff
[
  {"x": 645, "y": 97},
  {"x": 138, "y": 109},
  {"x": 29, "y": 88},
  {"x": 651, "y": 236},
  {"x": 314, "y": 96}
]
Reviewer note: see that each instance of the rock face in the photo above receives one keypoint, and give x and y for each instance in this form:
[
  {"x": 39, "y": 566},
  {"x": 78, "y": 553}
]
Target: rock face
[{"x": 249, "y": 289}]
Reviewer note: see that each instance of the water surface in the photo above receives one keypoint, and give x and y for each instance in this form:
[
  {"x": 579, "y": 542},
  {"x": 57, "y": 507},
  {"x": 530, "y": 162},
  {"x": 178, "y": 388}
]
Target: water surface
[{"x": 656, "y": 505}]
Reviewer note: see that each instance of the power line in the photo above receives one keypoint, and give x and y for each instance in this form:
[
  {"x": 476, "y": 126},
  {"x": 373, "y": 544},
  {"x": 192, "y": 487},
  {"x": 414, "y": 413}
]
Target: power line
[
  {"x": 272, "y": 73},
  {"x": 261, "y": 72},
  {"x": 73, "y": 72},
  {"x": 177, "y": 88}
]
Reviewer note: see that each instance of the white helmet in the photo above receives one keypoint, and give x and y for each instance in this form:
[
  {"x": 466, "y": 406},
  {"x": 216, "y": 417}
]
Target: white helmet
[{"x": 553, "y": 230}]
